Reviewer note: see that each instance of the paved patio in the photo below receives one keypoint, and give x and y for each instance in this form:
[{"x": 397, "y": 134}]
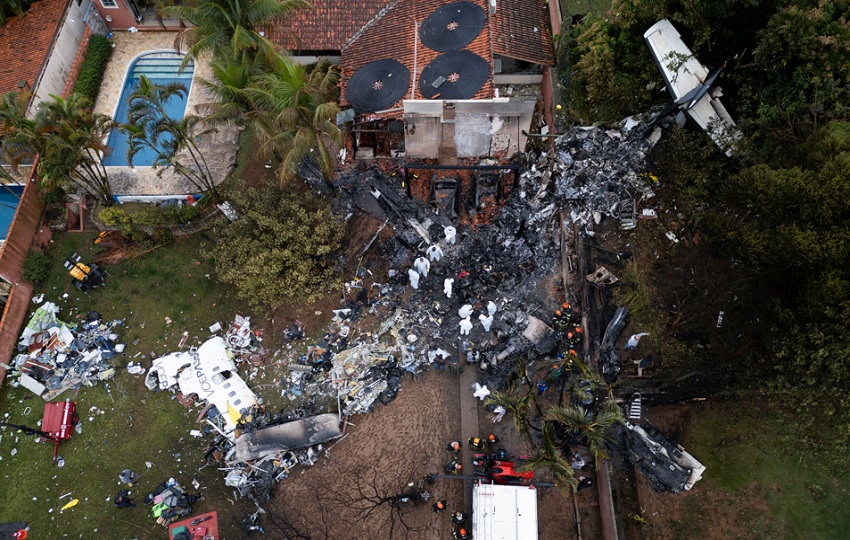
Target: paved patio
[{"x": 219, "y": 148}]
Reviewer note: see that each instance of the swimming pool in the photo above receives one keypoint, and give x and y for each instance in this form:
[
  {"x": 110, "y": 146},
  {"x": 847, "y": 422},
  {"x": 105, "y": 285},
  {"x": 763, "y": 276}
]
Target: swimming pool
[
  {"x": 10, "y": 198},
  {"x": 160, "y": 68}
]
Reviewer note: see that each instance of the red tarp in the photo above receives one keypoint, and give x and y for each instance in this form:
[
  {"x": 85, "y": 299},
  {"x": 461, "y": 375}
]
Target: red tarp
[{"x": 202, "y": 530}]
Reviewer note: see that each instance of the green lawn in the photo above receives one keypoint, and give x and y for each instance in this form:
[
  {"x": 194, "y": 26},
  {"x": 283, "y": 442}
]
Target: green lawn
[
  {"x": 580, "y": 7},
  {"x": 754, "y": 448},
  {"x": 131, "y": 425}
]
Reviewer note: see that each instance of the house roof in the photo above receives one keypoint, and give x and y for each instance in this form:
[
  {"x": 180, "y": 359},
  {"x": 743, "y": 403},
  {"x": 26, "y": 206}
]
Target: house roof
[
  {"x": 521, "y": 30},
  {"x": 25, "y": 42},
  {"x": 327, "y": 26},
  {"x": 393, "y": 35}
]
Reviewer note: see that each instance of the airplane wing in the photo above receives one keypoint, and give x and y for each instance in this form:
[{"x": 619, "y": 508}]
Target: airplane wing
[
  {"x": 689, "y": 82},
  {"x": 681, "y": 70}
]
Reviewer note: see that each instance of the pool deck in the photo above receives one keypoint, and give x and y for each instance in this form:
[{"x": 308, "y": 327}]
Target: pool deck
[{"x": 219, "y": 148}]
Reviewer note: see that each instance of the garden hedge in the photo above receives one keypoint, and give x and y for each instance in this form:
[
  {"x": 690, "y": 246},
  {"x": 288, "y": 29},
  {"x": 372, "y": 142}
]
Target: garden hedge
[{"x": 93, "y": 66}]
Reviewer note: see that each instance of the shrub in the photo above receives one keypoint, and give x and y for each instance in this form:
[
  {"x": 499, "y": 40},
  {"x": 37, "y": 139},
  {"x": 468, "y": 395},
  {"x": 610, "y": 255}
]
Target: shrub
[
  {"x": 138, "y": 236},
  {"x": 115, "y": 216},
  {"x": 36, "y": 268},
  {"x": 154, "y": 216},
  {"x": 162, "y": 236},
  {"x": 53, "y": 196},
  {"x": 94, "y": 63},
  {"x": 282, "y": 249}
]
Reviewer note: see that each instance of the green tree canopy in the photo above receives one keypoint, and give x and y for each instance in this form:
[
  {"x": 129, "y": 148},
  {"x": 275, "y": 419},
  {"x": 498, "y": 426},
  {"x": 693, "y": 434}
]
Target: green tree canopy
[
  {"x": 801, "y": 76},
  {"x": 229, "y": 28},
  {"x": 68, "y": 138},
  {"x": 281, "y": 249},
  {"x": 294, "y": 108},
  {"x": 173, "y": 140}
]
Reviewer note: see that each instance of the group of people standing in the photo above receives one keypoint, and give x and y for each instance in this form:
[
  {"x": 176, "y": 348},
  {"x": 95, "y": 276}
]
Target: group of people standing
[{"x": 454, "y": 467}]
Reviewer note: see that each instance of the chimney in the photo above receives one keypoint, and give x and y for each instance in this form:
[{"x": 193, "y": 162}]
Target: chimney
[{"x": 492, "y": 7}]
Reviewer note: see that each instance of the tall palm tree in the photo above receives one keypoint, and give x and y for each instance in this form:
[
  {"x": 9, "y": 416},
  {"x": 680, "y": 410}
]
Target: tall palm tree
[
  {"x": 589, "y": 426},
  {"x": 517, "y": 406},
  {"x": 294, "y": 109},
  {"x": 522, "y": 373},
  {"x": 70, "y": 143},
  {"x": 228, "y": 28},
  {"x": 6, "y": 178},
  {"x": 231, "y": 78},
  {"x": 19, "y": 133},
  {"x": 549, "y": 457},
  {"x": 173, "y": 141},
  {"x": 66, "y": 135}
]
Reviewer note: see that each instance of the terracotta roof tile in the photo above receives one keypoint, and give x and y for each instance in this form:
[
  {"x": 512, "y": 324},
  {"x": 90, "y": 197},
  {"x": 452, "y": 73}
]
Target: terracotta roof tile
[
  {"x": 26, "y": 40},
  {"x": 393, "y": 36},
  {"x": 521, "y": 30},
  {"x": 325, "y": 27}
]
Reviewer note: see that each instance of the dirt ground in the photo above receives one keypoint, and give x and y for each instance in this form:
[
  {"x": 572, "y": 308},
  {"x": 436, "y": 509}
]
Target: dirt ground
[
  {"x": 398, "y": 443},
  {"x": 381, "y": 452}
]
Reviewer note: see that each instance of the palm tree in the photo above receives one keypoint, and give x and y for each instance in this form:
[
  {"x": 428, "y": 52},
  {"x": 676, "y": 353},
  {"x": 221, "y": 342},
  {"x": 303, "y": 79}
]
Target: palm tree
[
  {"x": 70, "y": 143},
  {"x": 230, "y": 80},
  {"x": 549, "y": 457},
  {"x": 589, "y": 426},
  {"x": 229, "y": 28},
  {"x": 66, "y": 135},
  {"x": 522, "y": 373},
  {"x": 294, "y": 109},
  {"x": 517, "y": 406},
  {"x": 173, "y": 141},
  {"x": 159, "y": 7},
  {"x": 7, "y": 178},
  {"x": 18, "y": 132}
]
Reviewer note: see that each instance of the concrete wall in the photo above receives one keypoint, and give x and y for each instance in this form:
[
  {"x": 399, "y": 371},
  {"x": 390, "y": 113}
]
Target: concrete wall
[
  {"x": 481, "y": 127},
  {"x": 533, "y": 78},
  {"x": 422, "y": 136},
  {"x": 55, "y": 74}
]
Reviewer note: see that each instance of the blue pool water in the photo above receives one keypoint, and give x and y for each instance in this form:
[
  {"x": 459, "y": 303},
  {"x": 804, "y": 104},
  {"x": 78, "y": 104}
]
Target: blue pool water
[
  {"x": 10, "y": 197},
  {"x": 160, "y": 68}
]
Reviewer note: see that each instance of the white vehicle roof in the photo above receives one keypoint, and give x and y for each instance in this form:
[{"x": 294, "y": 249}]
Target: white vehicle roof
[{"x": 504, "y": 512}]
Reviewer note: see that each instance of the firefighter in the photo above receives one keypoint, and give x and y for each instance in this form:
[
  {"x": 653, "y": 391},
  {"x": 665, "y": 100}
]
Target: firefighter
[
  {"x": 458, "y": 518},
  {"x": 492, "y": 439},
  {"x": 439, "y": 506},
  {"x": 122, "y": 500},
  {"x": 557, "y": 369},
  {"x": 559, "y": 321},
  {"x": 452, "y": 467},
  {"x": 461, "y": 534},
  {"x": 454, "y": 447},
  {"x": 574, "y": 337},
  {"x": 476, "y": 444}
]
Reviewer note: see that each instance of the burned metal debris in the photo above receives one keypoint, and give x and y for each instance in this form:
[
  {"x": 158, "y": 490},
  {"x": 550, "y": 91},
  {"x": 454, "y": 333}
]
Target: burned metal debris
[
  {"x": 56, "y": 356},
  {"x": 470, "y": 279},
  {"x": 598, "y": 173},
  {"x": 667, "y": 465}
]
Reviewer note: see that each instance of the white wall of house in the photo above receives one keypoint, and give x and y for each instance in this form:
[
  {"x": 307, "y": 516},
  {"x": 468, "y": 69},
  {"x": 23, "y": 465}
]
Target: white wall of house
[{"x": 61, "y": 58}]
